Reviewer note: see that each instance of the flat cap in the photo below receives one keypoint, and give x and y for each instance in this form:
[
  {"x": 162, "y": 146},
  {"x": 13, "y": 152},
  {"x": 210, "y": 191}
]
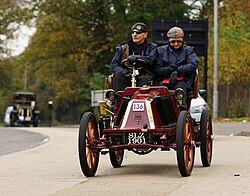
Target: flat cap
[{"x": 175, "y": 32}]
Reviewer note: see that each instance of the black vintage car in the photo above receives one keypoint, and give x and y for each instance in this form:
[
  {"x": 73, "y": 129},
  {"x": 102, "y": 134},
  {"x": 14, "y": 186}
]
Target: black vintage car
[{"x": 24, "y": 111}]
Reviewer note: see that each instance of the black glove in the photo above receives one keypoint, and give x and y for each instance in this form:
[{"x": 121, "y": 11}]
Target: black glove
[
  {"x": 127, "y": 72},
  {"x": 173, "y": 67},
  {"x": 132, "y": 58},
  {"x": 173, "y": 78}
]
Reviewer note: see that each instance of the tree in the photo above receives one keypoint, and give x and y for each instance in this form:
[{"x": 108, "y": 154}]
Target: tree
[
  {"x": 70, "y": 52},
  {"x": 233, "y": 42},
  {"x": 12, "y": 16}
]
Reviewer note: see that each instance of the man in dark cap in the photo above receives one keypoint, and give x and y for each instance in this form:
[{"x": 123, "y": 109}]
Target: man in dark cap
[
  {"x": 137, "y": 45},
  {"x": 177, "y": 62}
]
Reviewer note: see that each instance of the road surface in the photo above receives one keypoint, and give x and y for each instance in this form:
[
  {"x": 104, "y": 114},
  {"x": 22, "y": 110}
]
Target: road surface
[{"x": 53, "y": 169}]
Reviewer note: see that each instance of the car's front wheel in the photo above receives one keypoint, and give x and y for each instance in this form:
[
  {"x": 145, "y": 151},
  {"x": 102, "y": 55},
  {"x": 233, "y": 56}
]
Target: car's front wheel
[
  {"x": 88, "y": 134},
  {"x": 185, "y": 143}
]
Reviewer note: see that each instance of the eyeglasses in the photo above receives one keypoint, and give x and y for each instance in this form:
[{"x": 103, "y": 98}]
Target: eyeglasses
[
  {"x": 136, "y": 32},
  {"x": 176, "y": 41}
]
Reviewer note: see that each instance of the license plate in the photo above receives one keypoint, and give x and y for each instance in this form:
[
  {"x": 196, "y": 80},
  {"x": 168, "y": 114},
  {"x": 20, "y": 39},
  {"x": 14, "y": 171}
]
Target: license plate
[
  {"x": 27, "y": 118},
  {"x": 136, "y": 138},
  {"x": 138, "y": 107}
]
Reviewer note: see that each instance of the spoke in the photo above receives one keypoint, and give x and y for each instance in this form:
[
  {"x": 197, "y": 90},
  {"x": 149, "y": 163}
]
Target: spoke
[
  {"x": 190, "y": 156},
  {"x": 186, "y": 129},
  {"x": 93, "y": 159},
  {"x": 118, "y": 154},
  {"x": 87, "y": 134},
  {"x": 208, "y": 148},
  {"x": 208, "y": 128},
  {"x": 188, "y": 150},
  {"x": 190, "y": 153},
  {"x": 189, "y": 136},
  {"x": 90, "y": 133},
  {"x": 90, "y": 136},
  {"x": 88, "y": 145},
  {"x": 185, "y": 156},
  {"x": 90, "y": 161},
  {"x": 208, "y": 139},
  {"x": 88, "y": 155},
  {"x": 87, "y": 140},
  {"x": 93, "y": 135}
]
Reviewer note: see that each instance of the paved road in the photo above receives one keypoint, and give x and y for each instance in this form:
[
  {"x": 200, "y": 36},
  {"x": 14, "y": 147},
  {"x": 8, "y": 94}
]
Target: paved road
[
  {"x": 232, "y": 128},
  {"x": 53, "y": 169},
  {"x": 13, "y": 140}
]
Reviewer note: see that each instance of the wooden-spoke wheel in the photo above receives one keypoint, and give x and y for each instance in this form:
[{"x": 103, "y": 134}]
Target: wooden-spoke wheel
[
  {"x": 185, "y": 143},
  {"x": 206, "y": 134},
  {"x": 88, "y": 133},
  {"x": 116, "y": 157}
]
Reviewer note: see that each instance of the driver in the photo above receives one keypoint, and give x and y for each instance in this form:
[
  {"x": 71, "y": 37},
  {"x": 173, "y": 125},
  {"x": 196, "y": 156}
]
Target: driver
[
  {"x": 177, "y": 62},
  {"x": 137, "y": 45}
]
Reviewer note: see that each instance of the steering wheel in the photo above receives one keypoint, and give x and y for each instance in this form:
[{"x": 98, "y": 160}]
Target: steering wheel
[{"x": 135, "y": 61}]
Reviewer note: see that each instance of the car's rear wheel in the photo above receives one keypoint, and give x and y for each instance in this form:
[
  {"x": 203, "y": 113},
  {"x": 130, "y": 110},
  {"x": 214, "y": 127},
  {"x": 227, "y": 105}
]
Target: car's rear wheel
[
  {"x": 12, "y": 119},
  {"x": 116, "y": 157},
  {"x": 206, "y": 134},
  {"x": 88, "y": 133},
  {"x": 36, "y": 120},
  {"x": 185, "y": 143}
]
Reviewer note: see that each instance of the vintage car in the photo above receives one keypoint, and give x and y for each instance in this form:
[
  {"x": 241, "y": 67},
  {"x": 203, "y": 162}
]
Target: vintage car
[
  {"x": 24, "y": 111},
  {"x": 198, "y": 105},
  {"x": 143, "y": 119},
  {"x": 7, "y": 113}
]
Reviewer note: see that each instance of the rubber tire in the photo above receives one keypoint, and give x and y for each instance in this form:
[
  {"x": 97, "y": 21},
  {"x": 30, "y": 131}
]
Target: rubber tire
[
  {"x": 116, "y": 157},
  {"x": 183, "y": 150},
  {"x": 89, "y": 160},
  {"x": 206, "y": 133},
  {"x": 36, "y": 120},
  {"x": 12, "y": 119}
]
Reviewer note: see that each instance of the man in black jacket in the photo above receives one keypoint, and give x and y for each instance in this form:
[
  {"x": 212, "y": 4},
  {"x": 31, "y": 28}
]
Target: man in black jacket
[
  {"x": 138, "y": 46},
  {"x": 177, "y": 62}
]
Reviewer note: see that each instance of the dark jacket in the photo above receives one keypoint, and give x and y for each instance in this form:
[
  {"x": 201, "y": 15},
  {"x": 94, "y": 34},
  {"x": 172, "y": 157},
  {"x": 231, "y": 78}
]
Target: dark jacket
[
  {"x": 185, "y": 57},
  {"x": 128, "y": 48}
]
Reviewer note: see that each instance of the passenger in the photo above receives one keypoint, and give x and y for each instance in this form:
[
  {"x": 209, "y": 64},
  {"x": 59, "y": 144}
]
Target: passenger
[
  {"x": 176, "y": 60},
  {"x": 137, "y": 45}
]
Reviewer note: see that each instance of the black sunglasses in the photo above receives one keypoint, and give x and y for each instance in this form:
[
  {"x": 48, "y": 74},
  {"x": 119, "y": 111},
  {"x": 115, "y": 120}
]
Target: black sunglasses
[
  {"x": 176, "y": 41},
  {"x": 136, "y": 32}
]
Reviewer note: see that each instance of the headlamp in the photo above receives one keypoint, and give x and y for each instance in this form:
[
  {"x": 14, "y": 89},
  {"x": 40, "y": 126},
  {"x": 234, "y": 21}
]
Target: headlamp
[
  {"x": 178, "y": 94},
  {"x": 110, "y": 95}
]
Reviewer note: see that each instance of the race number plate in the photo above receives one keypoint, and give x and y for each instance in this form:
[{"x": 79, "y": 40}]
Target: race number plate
[{"x": 138, "y": 107}]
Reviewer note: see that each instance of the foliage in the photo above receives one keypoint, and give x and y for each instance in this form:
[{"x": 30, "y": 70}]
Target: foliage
[
  {"x": 234, "y": 32},
  {"x": 233, "y": 42},
  {"x": 70, "y": 53},
  {"x": 12, "y": 15}
]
